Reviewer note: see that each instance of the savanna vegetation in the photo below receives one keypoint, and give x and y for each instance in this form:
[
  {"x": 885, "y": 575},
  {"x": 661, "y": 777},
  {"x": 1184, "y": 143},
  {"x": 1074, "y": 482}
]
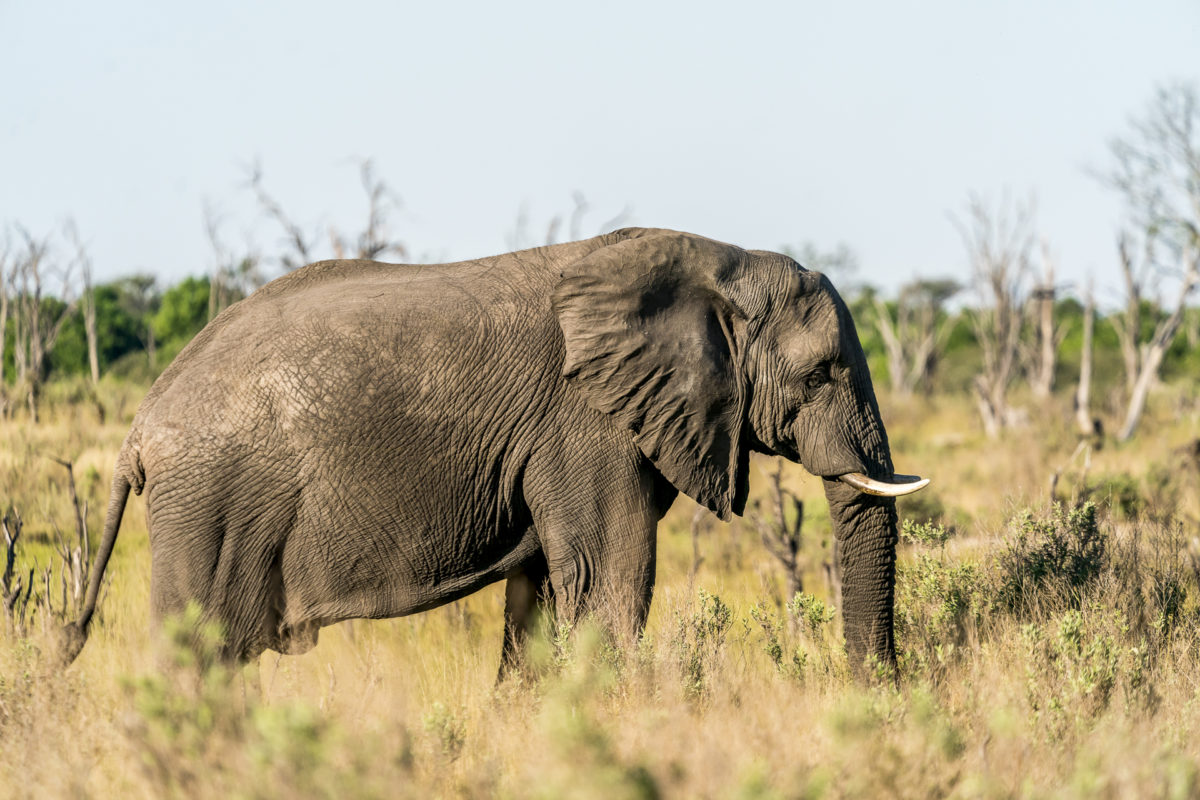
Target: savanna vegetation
[{"x": 1047, "y": 602}]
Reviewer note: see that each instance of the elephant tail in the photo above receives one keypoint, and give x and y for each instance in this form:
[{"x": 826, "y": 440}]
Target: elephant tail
[{"x": 75, "y": 634}]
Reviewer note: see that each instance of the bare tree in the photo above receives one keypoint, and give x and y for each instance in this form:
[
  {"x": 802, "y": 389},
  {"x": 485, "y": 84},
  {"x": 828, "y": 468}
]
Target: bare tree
[
  {"x": 87, "y": 301},
  {"x": 1088, "y": 426},
  {"x": 1048, "y": 336},
  {"x": 372, "y": 242},
  {"x": 914, "y": 338},
  {"x": 1156, "y": 347},
  {"x": 998, "y": 243},
  {"x": 15, "y": 589},
  {"x": 576, "y": 219},
  {"x": 233, "y": 275},
  {"x": 299, "y": 243},
  {"x": 1135, "y": 273},
  {"x": 1157, "y": 164},
  {"x": 77, "y": 558},
  {"x": 38, "y": 323},
  {"x": 1157, "y": 169},
  {"x": 519, "y": 238},
  {"x": 782, "y": 538}
]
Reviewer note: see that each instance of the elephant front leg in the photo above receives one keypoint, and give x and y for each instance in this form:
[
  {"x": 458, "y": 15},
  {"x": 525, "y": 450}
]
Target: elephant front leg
[
  {"x": 596, "y": 511},
  {"x": 527, "y": 594},
  {"x": 606, "y": 576}
]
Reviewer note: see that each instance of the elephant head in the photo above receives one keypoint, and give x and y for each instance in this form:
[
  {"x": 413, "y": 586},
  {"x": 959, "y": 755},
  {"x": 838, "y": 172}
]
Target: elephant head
[{"x": 705, "y": 351}]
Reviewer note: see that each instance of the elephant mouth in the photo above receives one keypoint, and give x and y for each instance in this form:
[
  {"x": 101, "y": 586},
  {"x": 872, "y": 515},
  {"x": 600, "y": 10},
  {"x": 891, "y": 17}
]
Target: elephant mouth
[{"x": 899, "y": 486}]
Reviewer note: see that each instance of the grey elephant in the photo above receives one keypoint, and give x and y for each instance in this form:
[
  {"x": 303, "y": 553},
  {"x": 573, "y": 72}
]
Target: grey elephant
[{"x": 368, "y": 440}]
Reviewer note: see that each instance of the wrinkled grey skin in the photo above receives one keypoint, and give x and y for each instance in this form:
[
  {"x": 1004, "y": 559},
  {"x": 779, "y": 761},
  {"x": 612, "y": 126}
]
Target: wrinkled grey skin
[{"x": 361, "y": 439}]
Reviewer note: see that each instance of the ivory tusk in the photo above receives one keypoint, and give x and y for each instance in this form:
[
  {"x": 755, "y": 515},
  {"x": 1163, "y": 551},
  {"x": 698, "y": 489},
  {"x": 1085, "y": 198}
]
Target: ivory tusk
[{"x": 900, "y": 485}]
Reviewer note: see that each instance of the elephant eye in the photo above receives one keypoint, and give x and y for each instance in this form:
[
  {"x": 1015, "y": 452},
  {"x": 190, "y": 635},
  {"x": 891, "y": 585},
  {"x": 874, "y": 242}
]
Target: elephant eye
[{"x": 817, "y": 378}]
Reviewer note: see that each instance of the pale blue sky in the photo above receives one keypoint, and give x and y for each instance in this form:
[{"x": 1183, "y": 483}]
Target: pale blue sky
[{"x": 763, "y": 124}]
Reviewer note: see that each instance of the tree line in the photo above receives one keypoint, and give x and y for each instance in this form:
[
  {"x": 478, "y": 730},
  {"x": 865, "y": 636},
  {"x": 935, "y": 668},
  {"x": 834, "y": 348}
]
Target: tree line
[{"x": 1008, "y": 327}]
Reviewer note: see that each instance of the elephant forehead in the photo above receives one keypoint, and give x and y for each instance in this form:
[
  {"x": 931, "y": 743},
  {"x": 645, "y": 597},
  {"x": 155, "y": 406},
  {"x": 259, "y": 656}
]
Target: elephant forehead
[{"x": 811, "y": 331}]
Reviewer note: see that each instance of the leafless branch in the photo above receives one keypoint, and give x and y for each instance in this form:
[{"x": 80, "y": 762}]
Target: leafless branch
[
  {"x": 77, "y": 558},
  {"x": 38, "y": 326},
  {"x": 781, "y": 538},
  {"x": 375, "y": 242},
  {"x": 1156, "y": 348},
  {"x": 915, "y": 338},
  {"x": 16, "y": 588},
  {"x": 998, "y": 242},
  {"x": 294, "y": 236},
  {"x": 1156, "y": 166}
]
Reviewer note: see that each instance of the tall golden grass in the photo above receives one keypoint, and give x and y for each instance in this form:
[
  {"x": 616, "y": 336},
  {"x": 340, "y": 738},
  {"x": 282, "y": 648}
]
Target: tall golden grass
[{"x": 1038, "y": 656}]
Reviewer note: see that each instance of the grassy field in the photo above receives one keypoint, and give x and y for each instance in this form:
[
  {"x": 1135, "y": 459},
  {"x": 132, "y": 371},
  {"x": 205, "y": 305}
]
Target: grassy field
[{"x": 1044, "y": 651}]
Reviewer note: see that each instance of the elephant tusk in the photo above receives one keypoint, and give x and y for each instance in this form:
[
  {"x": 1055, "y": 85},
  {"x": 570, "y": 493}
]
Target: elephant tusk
[{"x": 900, "y": 484}]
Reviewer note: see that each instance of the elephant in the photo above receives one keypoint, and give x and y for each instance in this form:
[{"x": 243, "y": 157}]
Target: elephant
[{"x": 367, "y": 440}]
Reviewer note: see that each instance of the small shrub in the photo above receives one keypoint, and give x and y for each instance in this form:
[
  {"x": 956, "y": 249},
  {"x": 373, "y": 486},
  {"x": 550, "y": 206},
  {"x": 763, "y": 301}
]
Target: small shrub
[
  {"x": 938, "y": 603},
  {"x": 808, "y": 615},
  {"x": 938, "y": 606},
  {"x": 447, "y": 728},
  {"x": 775, "y": 636},
  {"x": 1120, "y": 494},
  {"x": 925, "y": 534},
  {"x": 586, "y": 763},
  {"x": 812, "y": 613},
  {"x": 1076, "y": 666},
  {"x": 698, "y": 641},
  {"x": 1052, "y": 561}
]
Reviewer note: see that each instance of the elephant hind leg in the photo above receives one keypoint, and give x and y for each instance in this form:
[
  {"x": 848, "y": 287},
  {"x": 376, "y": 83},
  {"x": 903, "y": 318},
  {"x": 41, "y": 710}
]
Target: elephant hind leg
[
  {"x": 527, "y": 594},
  {"x": 233, "y": 576}
]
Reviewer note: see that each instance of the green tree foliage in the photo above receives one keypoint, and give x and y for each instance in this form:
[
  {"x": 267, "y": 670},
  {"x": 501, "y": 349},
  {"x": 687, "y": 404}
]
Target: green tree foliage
[
  {"x": 182, "y": 312},
  {"x": 116, "y": 334}
]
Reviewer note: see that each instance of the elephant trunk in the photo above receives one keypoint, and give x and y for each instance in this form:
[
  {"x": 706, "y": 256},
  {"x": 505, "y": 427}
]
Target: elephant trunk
[{"x": 864, "y": 526}]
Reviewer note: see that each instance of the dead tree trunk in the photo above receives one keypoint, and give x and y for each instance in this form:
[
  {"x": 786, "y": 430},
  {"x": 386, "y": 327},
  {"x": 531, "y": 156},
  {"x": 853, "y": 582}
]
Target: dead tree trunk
[
  {"x": 892, "y": 345},
  {"x": 37, "y": 335},
  {"x": 913, "y": 340},
  {"x": 1128, "y": 324},
  {"x": 1048, "y": 337},
  {"x": 89, "y": 326},
  {"x": 1083, "y": 393},
  {"x": 1156, "y": 348},
  {"x": 998, "y": 252},
  {"x": 88, "y": 303}
]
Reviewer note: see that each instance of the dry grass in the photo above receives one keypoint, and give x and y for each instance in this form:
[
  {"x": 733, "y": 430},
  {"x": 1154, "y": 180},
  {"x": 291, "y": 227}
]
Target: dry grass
[{"x": 1089, "y": 689}]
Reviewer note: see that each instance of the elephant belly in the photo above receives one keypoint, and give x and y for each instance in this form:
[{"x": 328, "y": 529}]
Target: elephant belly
[{"x": 389, "y": 559}]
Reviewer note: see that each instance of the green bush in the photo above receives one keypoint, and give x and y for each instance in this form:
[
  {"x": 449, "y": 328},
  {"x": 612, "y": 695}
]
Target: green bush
[
  {"x": 199, "y": 730},
  {"x": 1052, "y": 560},
  {"x": 1078, "y": 664},
  {"x": 939, "y": 607},
  {"x": 926, "y": 534},
  {"x": 1120, "y": 494},
  {"x": 800, "y": 643},
  {"x": 698, "y": 640},
  {"x": 939, "y": 603}
]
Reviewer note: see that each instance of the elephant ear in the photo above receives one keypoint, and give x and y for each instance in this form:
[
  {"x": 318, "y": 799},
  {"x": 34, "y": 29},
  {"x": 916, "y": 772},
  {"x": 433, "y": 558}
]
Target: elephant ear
[{"x": 655, "y": 338}]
